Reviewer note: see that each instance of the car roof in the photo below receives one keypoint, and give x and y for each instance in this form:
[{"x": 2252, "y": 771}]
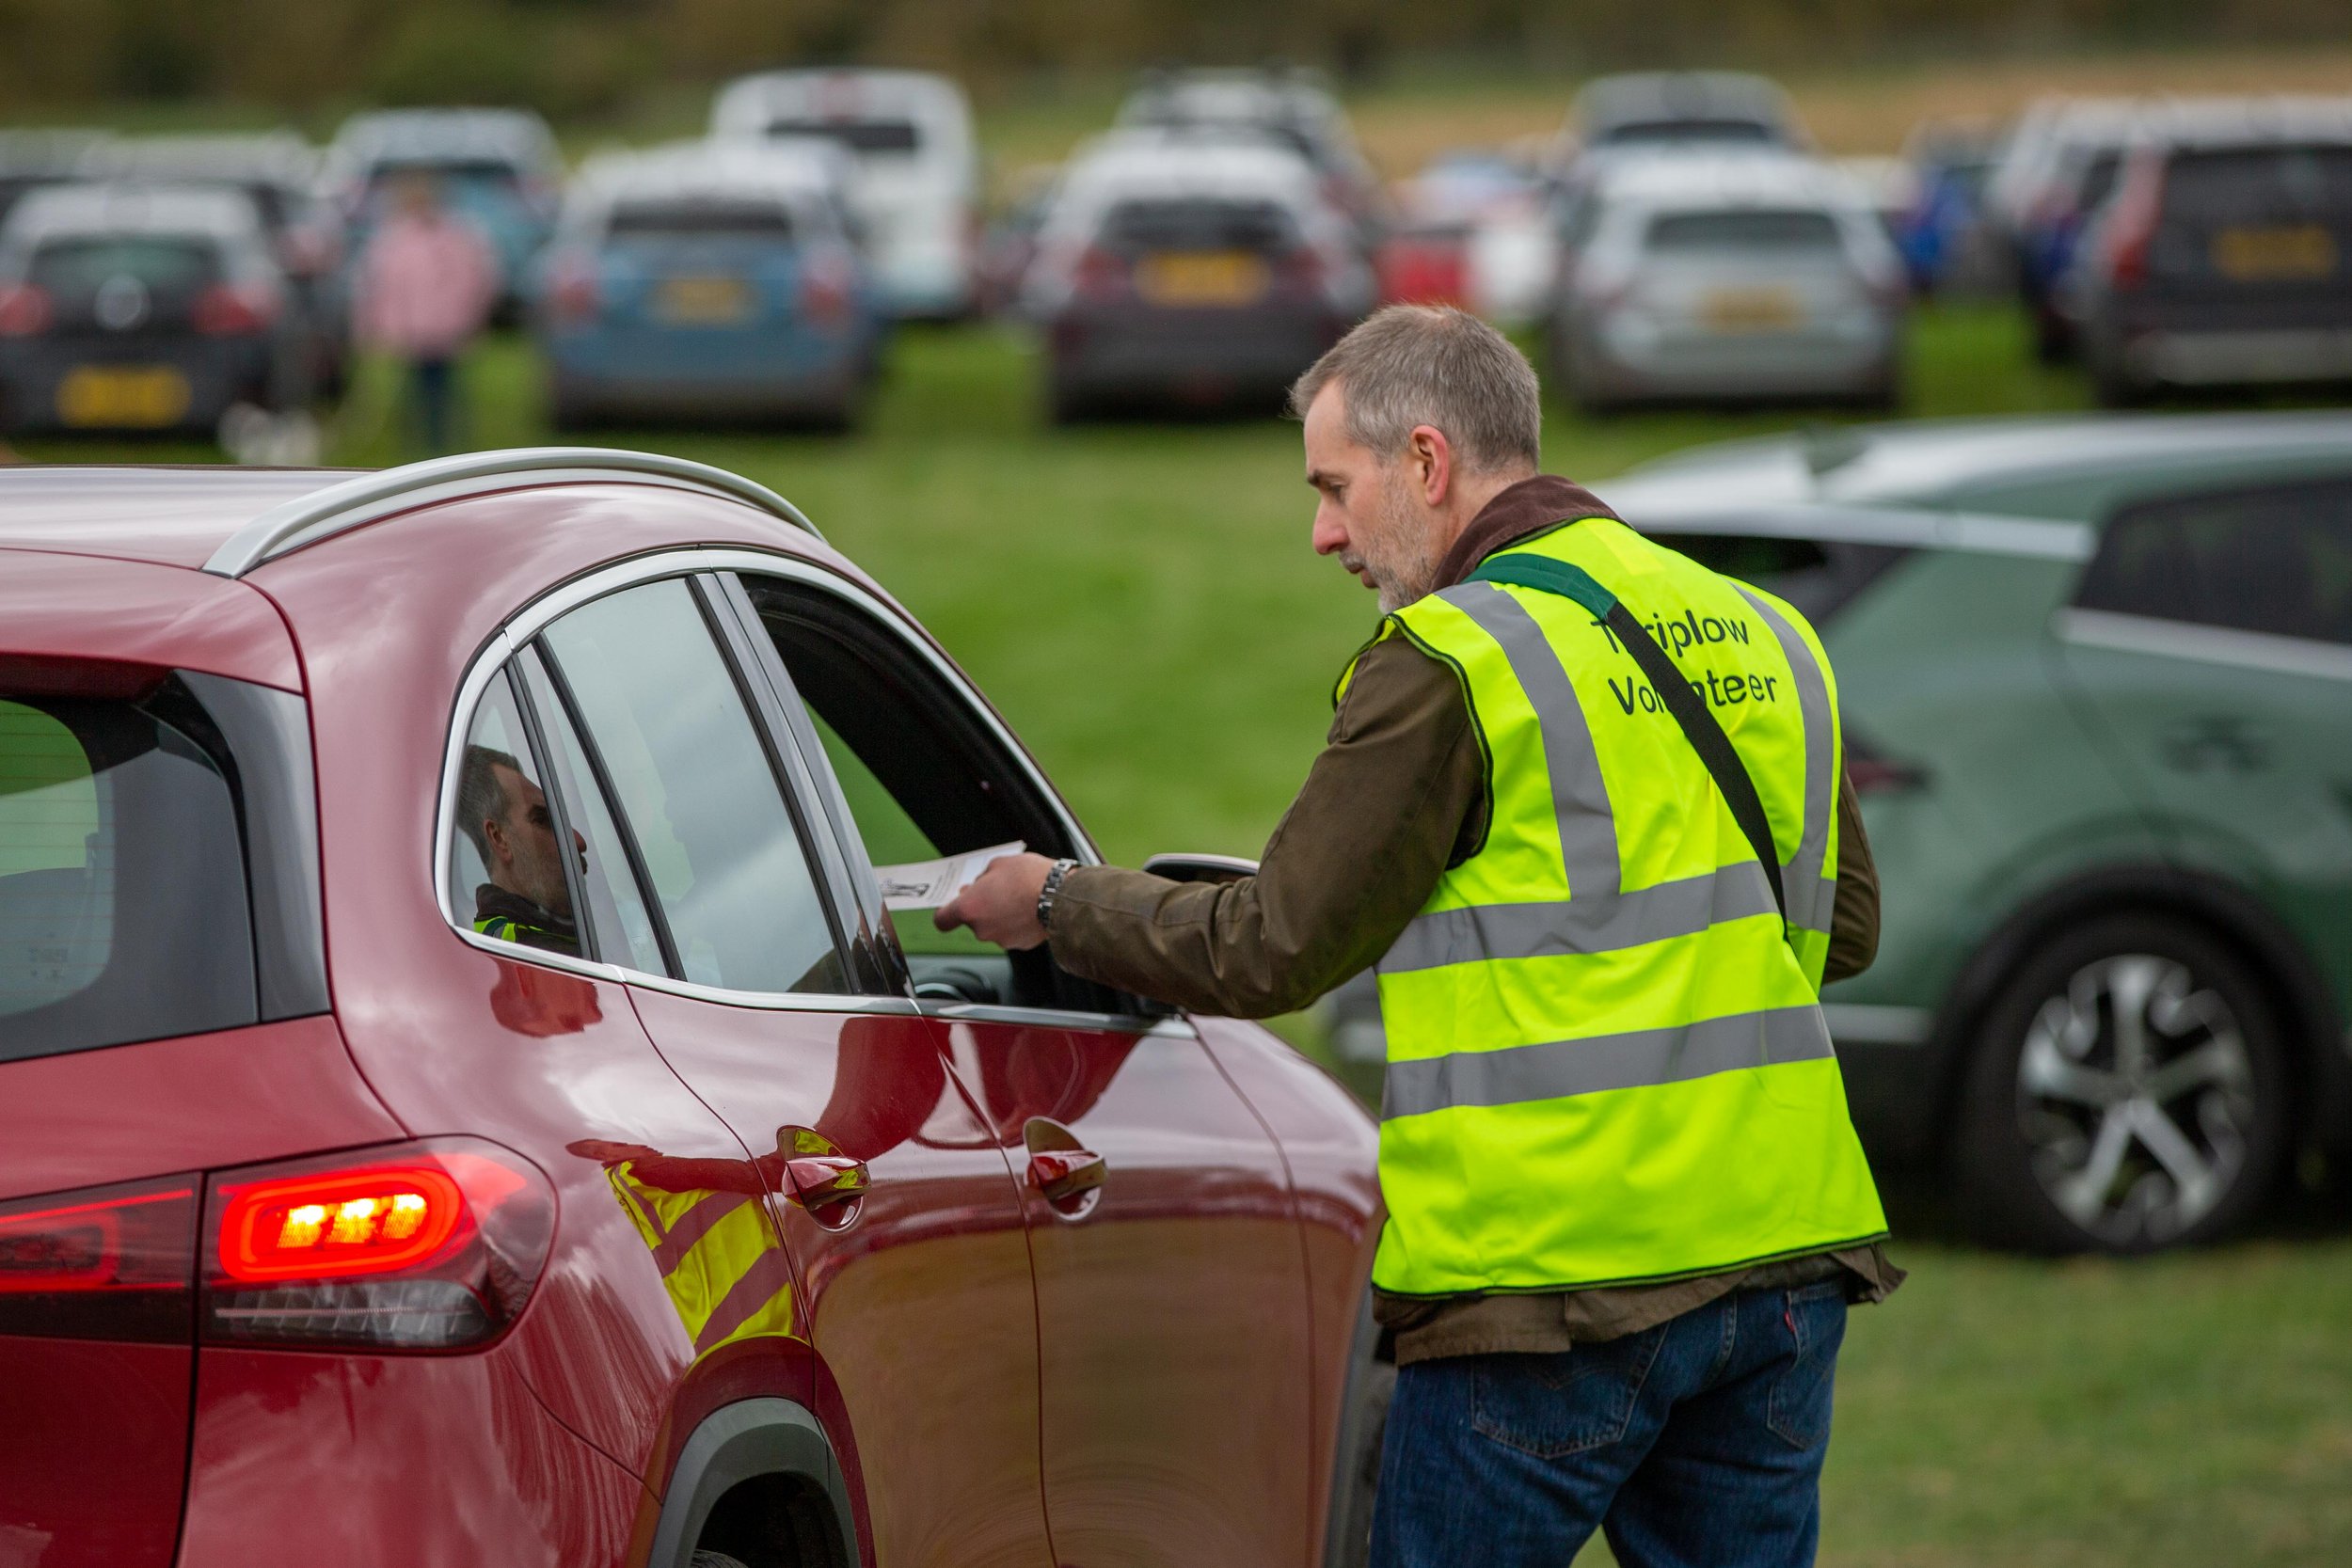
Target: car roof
[
  {"x": 228, "y": 520},
  {"x": 113, "y": 208},
  {"x": 385, "y": 135},
  {"x": 880, "y": 91},
  {"x": 1646, "y": 95},
  {"x": 277, "y": 157},
  {"x": 171, "y": 515},
  {"x": 1940, "y": 464},
  {"x": 2224, "y": 122},
  {"x": 1147, "y": 163},
  {"x": 790, "y": 167}
]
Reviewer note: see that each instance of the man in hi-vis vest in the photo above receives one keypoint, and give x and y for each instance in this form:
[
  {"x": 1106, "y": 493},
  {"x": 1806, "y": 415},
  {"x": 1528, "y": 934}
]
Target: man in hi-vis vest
[{"x": 1583, "y": 810}]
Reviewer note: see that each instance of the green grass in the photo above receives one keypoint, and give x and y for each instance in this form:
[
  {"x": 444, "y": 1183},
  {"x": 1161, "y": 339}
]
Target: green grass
[{"x": 1142, "y": 603}]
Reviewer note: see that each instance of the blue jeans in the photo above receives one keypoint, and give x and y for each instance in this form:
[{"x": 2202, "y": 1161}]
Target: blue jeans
[{"x": 1695, "y": 1444}]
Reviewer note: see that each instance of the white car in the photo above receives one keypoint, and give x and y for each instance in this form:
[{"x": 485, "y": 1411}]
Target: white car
[
  {"x": 918, "y": 189},
  {"x": 1728, "y": 277}
]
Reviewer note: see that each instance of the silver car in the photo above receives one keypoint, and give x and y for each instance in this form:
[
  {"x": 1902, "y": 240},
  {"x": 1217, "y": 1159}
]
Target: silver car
[{"x": 1727, "y": 277}]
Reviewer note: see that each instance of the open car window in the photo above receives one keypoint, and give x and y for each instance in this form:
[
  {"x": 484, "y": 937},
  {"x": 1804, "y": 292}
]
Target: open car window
[{"x": 922, "y": 777}]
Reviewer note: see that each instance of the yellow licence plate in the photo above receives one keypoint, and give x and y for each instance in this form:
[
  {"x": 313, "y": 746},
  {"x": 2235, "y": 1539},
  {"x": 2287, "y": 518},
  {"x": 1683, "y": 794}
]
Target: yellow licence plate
[
  {"x": 2297, "y": 252},
  {"x": 1760, "y": 309},
  {"x": 145, "y": 396},
  {"x": 703, "y": 301},
  {"x": 1201, "y": 277}
]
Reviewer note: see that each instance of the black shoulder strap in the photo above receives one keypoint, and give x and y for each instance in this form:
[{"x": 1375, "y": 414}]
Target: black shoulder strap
[{"x": 1689, "y": 710}]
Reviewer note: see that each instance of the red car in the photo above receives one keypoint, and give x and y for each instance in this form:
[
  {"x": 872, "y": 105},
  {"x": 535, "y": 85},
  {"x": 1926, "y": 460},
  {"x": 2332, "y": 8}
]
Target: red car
[{"x": 464, "y": 1097}]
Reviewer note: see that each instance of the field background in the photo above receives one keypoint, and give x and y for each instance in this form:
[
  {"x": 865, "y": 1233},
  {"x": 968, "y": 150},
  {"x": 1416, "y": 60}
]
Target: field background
[{"x": 1142, "y": 603}]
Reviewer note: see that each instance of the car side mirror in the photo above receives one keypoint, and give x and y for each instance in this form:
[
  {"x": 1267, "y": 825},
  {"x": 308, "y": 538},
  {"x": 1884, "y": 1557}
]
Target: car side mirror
[{"x": 1200, "y": 869}]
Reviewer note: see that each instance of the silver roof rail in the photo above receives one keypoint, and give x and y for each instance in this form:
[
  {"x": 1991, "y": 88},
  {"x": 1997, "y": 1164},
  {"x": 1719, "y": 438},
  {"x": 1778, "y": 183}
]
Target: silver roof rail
[{"x": 362, "y": 500}]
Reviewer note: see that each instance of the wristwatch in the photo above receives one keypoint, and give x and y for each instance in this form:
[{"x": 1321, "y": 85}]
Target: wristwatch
[{"x": 1054, "y": 874}]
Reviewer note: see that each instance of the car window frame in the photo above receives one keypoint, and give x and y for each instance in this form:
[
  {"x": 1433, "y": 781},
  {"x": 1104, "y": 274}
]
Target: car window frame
[
  {"x": 895, "y": 636},
  {"x": 522, "y": 631},
  {"x": 2204, "y": 642}
]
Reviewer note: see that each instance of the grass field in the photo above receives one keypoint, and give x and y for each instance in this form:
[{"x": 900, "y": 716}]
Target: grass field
[{"x": 1142, "y": 603}]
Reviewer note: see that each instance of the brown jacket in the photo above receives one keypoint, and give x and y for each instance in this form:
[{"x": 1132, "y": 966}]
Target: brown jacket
[{"x": 1398, "y": 795}]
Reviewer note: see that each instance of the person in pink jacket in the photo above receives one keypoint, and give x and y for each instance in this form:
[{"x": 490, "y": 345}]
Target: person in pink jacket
[{"x": 426, "y": 285}]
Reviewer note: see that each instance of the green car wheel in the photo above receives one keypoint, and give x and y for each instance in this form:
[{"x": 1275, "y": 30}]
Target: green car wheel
[{"x": 2129, "y": 1092}]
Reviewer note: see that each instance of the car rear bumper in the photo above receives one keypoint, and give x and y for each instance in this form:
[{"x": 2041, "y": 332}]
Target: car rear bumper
[
  {"x": 2201, "y": 358},
  {"x": 393, "y": 1460},
  {"x": 1627, "y": 355},
  {"x": 217, "y": 372},
  {"x": 1142, "y": 349},
  {"x": 660, "y": 372}
]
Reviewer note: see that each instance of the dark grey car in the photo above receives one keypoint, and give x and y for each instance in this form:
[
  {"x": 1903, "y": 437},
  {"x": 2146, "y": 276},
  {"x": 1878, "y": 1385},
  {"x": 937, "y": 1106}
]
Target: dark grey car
[{"x": 2225, "y": 258}]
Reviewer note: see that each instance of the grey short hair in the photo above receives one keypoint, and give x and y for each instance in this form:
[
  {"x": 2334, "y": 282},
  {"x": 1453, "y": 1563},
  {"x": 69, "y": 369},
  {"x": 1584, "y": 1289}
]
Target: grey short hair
[
  {"x": 481, "y": 795},
  {"x": 1412, "y": 365}
]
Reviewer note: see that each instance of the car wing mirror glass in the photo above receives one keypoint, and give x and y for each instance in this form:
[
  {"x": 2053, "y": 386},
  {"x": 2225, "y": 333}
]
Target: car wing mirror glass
[{"x": 1200, "y": 869}]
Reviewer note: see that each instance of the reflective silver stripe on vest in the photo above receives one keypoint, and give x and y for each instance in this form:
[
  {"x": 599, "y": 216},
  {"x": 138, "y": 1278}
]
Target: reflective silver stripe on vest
[
  {"x": 1803, "y": 879},
  {"x": 1642, "y": 1058},
  {"x": 1588, "y": 923},
  {"x": 1588, "y": 831}
]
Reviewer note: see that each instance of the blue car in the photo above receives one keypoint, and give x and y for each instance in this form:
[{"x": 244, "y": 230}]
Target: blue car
[
  {"x": 497, "y": 168},
  {"x": 708, "y": 283}
]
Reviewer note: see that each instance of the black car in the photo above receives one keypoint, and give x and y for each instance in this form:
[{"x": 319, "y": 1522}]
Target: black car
[
  {"x": 2225, "y": 258},
  {"x": 126, "y": 309}
]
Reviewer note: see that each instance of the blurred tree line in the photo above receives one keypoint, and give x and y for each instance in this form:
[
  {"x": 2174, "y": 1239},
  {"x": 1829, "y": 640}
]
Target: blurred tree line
[{"x": 581, "y": 58}]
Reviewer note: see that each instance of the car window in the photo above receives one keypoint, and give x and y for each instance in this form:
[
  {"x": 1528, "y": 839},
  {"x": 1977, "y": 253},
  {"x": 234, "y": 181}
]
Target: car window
[
  {"x": 890, "y": 137},
  {"x": 1818, "y": 578},
  {"x": 507, "y": 875},
  {"x": 2276, "y": 561},
  {"x": 164, "y": 264},
  {"x": 692, "y": 782},
  {"x": 124, "y": 904},
  {"x": 1742, "y": 232},
  {"x": 923, "y": 776},
  {"x": 608, "y": 872},
  {"x": 675, "y": 218}
]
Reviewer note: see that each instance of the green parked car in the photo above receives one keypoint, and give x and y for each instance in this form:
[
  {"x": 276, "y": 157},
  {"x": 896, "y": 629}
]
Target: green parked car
[{"x": 2097, "y": 682}]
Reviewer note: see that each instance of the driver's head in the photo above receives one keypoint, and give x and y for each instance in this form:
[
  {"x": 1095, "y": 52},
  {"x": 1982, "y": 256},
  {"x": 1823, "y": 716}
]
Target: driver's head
[
  {"x": 507, "y": 817},
  {"x": 1414, "y": 421}
]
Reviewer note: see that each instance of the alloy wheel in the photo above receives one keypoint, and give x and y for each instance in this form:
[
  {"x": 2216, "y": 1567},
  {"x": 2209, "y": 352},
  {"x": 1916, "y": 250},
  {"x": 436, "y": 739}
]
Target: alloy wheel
[{"x": 2135, "y": 1100}]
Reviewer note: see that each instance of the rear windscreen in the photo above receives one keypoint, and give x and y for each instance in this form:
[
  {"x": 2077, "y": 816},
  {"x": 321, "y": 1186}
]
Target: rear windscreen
[
  {"x": 164, "y": 264},
  {"x": 453, "y": 179},
  {"x": 1818, "y": 578},
  {"x": 2266, "y": 184},
  {"x": 123, "y": 911},
  {"x": 699, "y": 220},
  {"x": 858, "y": 135},
  {"x": 1197, "y": 225},
  {"x": 1742, "y": 231},
  {"x": 1714, "y": 132}
]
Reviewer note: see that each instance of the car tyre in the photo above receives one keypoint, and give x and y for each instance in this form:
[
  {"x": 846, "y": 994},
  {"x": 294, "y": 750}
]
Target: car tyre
[
  {"x": 2129, "y": 1091},
  {"x": 703, "y": 1559},
  {"x": 1066, "y": 404}
]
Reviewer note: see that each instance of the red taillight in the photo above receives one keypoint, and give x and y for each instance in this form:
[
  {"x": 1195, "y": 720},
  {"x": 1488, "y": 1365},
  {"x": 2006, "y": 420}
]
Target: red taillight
[
  {"x": 104, "y": 1263},
  {"x": 434, "y": 1245},
  {"x": 1873, "y": 774},
  {"x": 2133, "y": 228},
  {"x": 233, "y": 309},
  {"x": 24, "y": 311},
  {"x": 573, "y": 294},
  {"x": 825, "y": 289},
  {"x": 1099, "y": 270}
]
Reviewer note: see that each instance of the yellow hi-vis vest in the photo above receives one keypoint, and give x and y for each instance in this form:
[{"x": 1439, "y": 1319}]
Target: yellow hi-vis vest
[{"x": 1607, "y": 1059}]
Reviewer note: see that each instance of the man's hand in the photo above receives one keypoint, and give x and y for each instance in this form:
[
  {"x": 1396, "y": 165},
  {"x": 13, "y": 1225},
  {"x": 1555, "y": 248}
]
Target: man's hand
[{"x": 1000, "y": 906}]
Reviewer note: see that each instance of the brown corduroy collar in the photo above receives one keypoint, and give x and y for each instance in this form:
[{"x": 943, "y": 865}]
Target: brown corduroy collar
[{"x": 1527, "y": 507}]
